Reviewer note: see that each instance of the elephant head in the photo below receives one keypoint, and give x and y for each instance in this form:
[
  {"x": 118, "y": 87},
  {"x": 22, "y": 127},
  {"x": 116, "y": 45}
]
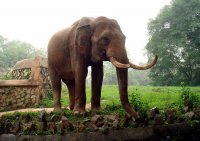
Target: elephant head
[{"x": 101, "y": 39}]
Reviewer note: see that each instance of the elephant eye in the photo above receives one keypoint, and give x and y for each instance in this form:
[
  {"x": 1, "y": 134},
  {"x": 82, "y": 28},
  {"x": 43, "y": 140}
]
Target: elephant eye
[{"x": 104, "y": 41}]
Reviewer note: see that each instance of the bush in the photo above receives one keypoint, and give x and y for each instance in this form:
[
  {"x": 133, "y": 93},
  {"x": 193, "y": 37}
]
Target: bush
[
  {"x": 140, "y": 105},
  {"x": 6, "y": 76},
  {"x": 189, "y": 100}
]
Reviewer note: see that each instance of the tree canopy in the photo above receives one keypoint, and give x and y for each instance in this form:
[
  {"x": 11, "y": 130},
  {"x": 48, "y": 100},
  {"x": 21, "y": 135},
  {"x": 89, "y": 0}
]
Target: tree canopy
[
  {"x": 13, "y": 51},
  {"x": 175, "y": 38}
]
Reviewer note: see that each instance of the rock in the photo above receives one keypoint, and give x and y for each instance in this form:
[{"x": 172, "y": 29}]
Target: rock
[
  {"x": 154, "y": 111},
  {"x": 52, "y": 127},
  {"x": 8, "y": 126},
  {"x": 115, "y": 124},
  {"x": 31, "y": 128},
  {"x": 43, "y": 126},
  {"x": 158, "y": 120},
  {"x": 96, "y": 118},
  {"x": 27, "y": 118},
  {"x": 104, "y": 130},
  {"x": 111, "y": 117},
  {"x": 17, "y": 126},
  {"x": 170, "y": 116},
  {"x": 66, "y": 125},
  {"x": 54, "y": 118},
  {"x": 111, "y": 121},
  {"x": 64, "y": 120},
  {"x": 85, "y": 121},
  {"x": 126, "y": 121},
  {"x": 81, "y": 128},
  {"x": 95, "y": 128},
  {"x": 197, "y": 111},
  {"x": 146, "y": 122},
  {"x": 42, "y": 116},
  {"x": 190, "y": 115},
  {"x": 99, "y": 123},
  {"x": 186, "y": 108},
  {"x": 43, "y": 121}
]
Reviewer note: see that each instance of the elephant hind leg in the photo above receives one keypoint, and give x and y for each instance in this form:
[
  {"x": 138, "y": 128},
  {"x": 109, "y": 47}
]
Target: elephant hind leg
[{"x": 71, "y": 89}]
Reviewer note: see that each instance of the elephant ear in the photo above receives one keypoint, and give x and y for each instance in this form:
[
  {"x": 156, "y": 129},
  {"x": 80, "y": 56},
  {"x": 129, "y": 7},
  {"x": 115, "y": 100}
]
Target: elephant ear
[{"x": 83, "y": 39}]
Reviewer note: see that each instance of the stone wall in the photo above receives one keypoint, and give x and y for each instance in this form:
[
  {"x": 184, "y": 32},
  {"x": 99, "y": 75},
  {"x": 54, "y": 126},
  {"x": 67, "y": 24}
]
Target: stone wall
[
  {"x": 16, "y": 97},
  {"x": 149, "y": 133},
  {"x": 29, "y": 85}
]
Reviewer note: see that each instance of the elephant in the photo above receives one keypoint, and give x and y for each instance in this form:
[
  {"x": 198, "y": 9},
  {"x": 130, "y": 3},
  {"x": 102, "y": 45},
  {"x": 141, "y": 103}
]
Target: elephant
[{"x": 89, "y": 42}]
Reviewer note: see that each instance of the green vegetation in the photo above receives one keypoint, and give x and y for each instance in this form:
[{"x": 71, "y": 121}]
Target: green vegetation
[
  {"x": 13, "y": 51},
  {"x": 174, "y": 37},
  {"x": 156, "y": 105},
  {"x": 189, "y": 100},
  {"x": 146, "y": 97}
]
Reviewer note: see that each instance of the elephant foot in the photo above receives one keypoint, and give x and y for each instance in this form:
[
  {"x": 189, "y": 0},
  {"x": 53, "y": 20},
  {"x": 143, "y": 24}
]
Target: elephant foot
[
  {"x": 95, "y": 110},
  {"x": 79, "y": 111},
  {"x": 71, "y": 107},
  {"x": 135, "y": 116},
  {"x": 57, "y": 107}
]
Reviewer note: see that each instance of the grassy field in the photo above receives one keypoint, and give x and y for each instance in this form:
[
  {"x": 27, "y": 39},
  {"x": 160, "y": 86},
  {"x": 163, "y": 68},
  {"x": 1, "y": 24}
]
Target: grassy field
[{"x": 161, "y": 97}]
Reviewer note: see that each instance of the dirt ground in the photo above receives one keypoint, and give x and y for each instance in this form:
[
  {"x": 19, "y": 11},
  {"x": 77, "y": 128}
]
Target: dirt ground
[{"x": 48, "y": 110}]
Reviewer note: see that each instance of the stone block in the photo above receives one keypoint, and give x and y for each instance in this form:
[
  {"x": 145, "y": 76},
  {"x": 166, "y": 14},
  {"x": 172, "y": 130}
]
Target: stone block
[
  {"x": 18, "y": 96},
  {"x": 20, "y": 104},
  {"x": 33, "y": 100},
  {"x": 23, "y": 94},
  {"x": 28, "y": 96}
]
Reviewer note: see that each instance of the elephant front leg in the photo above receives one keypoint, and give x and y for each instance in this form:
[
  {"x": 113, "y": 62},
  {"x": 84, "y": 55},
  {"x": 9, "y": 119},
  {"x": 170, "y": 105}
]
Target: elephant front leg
[
  {"x": 56, "y": 88},
  {"x": 80, "y": 94},
  {"x": 71, "y": 89},
  {"x": 97, "y": 78}
]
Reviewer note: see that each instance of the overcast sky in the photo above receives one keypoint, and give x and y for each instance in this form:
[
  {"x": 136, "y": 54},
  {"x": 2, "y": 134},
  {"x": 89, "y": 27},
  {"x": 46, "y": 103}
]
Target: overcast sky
[{"x": 35, "y": 21}]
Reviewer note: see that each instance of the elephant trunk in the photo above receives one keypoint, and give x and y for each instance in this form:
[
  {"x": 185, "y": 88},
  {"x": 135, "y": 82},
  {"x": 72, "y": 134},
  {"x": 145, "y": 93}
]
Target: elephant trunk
[
  {"x": 122, "y": 75},
  {"x": 121, "y": 65}
]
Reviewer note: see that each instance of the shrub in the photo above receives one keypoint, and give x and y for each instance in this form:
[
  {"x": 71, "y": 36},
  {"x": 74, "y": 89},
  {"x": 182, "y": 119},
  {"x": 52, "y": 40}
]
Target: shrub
[
  {"x": 189, "y": 100},
  {"x": 140, "y": 105},
  {"x": 6, "y": 76}
]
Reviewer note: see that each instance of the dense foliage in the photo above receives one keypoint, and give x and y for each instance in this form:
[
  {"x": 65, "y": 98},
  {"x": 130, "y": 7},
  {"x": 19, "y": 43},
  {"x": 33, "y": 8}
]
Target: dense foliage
[
  {"x": 175, "y": 38},
  {"x": 13, "y": 51}
]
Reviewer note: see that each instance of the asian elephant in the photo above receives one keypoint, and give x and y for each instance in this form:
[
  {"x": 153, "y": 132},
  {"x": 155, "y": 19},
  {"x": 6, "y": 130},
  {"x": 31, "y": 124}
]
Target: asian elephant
[{"x": 89, "y": 42}]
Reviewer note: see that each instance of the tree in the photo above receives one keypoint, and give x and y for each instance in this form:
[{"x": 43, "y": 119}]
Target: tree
[
  {"x": 110, "y": 76},
  {"x": 138, "y": 77},
  {"x": 135, "y": 77},
  {"x": 175, "y": 38},
  {"x": 13, "y": 51}
]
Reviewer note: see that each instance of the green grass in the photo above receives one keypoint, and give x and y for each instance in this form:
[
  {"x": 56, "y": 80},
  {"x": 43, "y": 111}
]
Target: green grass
[{"x": 161, "y": 97}]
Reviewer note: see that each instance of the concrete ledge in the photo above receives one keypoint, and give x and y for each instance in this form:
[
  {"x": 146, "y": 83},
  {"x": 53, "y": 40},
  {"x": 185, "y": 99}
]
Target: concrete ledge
[
  {"x": 17, "y": 83},
  {"x": 150, "y": 133}
]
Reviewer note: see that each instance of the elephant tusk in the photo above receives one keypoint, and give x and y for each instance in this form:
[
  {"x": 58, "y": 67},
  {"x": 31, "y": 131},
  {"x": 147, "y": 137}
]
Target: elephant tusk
[
  {"x": 118, "y": 64},
  {"x": 144, "y": 67}
]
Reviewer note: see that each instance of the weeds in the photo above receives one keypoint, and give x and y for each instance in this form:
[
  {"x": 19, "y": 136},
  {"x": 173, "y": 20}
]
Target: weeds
[
  {"x": 188, "y": 100},
  {"x": 140, "y": 105}
]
